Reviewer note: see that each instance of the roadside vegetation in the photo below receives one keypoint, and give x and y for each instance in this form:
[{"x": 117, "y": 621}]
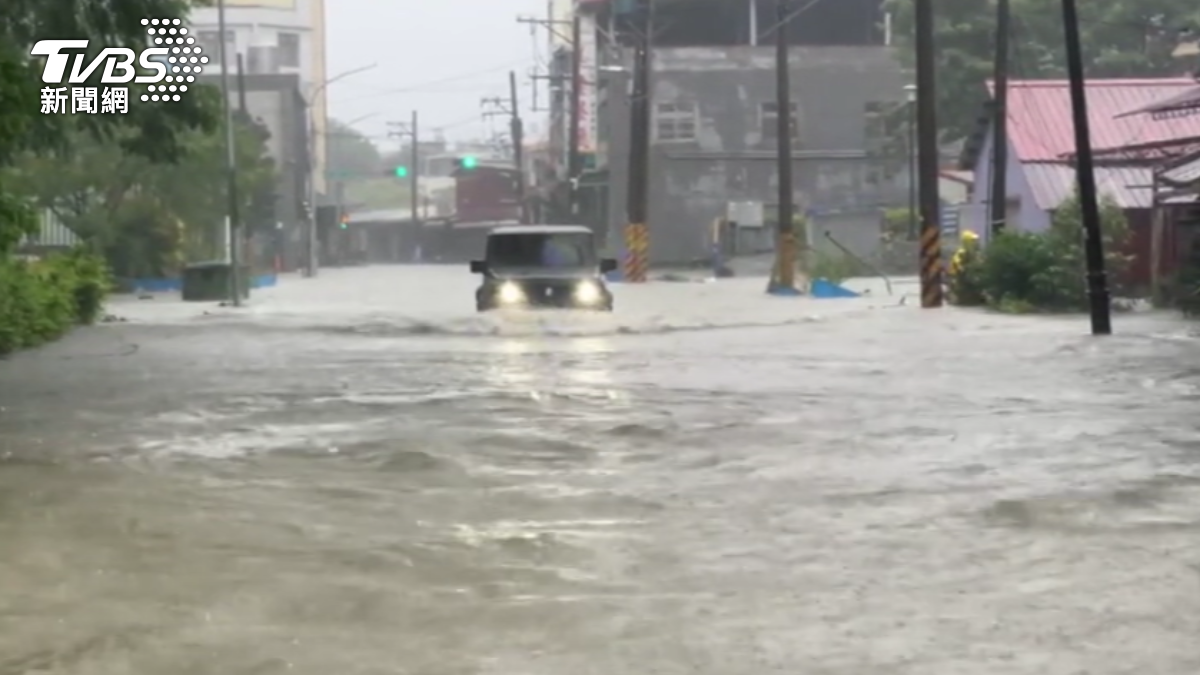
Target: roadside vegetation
[
  {"x": 1023, "y": 272},
  {"x": 142, "y": 191}
]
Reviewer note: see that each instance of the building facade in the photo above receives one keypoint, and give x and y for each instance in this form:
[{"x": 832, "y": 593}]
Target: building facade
[
  {"x": 1040, "y": 174},
  {"x": 280, "y": 38},
  {"x": 714, "y": 118}
]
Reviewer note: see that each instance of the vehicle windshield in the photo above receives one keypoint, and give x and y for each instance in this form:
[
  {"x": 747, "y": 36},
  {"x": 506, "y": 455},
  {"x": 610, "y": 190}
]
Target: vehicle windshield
[{"x": 559, "y": 250}]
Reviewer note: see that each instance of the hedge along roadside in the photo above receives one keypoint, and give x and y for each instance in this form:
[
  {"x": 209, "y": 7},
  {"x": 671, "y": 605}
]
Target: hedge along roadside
[
  {"x": 1024, "y": 272},
  {"x": 41, "y": 300}
]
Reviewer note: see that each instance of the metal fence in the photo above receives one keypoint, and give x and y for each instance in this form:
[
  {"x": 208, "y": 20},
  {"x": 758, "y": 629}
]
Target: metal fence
[{"x": 51, "y": 235}]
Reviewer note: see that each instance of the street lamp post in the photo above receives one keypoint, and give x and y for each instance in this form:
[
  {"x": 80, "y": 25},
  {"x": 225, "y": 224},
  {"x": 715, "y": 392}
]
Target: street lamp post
[
  {"x": 910, "y": 94},
  {"x": 311, "y": 197},
  {"x": 232, "y": 226}
]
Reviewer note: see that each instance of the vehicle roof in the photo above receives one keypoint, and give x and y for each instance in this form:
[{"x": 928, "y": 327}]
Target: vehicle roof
[{"x": 542, "y": 229}]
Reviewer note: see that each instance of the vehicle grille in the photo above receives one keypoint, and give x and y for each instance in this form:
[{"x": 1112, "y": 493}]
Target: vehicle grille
[{"x": 549, "y": 291}]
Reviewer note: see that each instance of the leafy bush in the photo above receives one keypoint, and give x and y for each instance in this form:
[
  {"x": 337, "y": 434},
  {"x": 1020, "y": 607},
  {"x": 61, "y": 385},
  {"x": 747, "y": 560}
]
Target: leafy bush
[
  {"x": 834, "y": 267},
  {"x": 42, "y": 300},
  {"x": 1047, "y": 272}
]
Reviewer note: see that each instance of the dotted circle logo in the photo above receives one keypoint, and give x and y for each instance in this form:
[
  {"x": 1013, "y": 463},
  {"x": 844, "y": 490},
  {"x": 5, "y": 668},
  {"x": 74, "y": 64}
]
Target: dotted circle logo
[{"x": 185, "y": 62}]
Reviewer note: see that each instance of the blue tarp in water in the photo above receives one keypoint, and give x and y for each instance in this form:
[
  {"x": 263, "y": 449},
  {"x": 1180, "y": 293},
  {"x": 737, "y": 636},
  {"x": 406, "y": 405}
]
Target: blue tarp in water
[{"x": 824, "y": 289}]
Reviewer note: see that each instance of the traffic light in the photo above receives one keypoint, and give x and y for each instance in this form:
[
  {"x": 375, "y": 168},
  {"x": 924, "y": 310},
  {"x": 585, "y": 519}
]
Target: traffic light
[
  {"x": 469, "y": 162},
  {"x": 344, "y": 221},
  {"x": 402, "y": 172}
]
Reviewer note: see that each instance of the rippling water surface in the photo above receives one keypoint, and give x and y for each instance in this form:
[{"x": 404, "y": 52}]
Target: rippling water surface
[{"x": 357, "y": 475}]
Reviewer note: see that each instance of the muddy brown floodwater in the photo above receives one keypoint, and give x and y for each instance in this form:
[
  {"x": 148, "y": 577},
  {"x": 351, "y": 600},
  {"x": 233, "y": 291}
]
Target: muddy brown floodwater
[{"x": 358, "y": 476}]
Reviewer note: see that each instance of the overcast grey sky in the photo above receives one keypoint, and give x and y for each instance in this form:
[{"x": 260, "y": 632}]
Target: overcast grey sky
[{"x": 439, "y": 57}]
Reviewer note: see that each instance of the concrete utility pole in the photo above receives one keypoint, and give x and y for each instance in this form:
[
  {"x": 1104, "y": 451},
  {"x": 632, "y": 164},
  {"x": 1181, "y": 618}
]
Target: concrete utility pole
[
  {"x": 554, "y": 28},
  {"x": 411, "y": 131},
  {"x": 495, "y": 106},
  {"x": 637, "y": 233},
  {"x": 998, "y": 199},
  {"x": 1085, "y": 173},
  {"x": 574, "y": 168},
  {"x": 517, "y": 129},
  {"x": 783, "y": 281},
  {"x": 313, "y": 264},
  {"x": 932, "y": 293},
  {"x": 233, "y": 229}
]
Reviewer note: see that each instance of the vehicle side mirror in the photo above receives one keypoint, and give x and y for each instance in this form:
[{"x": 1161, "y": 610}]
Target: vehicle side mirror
[
  {"x": 478, "y": 267},
  {"x": 608, "y": 265}
]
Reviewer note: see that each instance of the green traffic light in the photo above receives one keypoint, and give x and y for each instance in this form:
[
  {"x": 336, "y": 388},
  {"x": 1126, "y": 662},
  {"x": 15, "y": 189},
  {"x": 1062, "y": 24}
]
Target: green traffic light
[
  {"x": 401, "y": 172},
  {"x": 469, "y": 162}
]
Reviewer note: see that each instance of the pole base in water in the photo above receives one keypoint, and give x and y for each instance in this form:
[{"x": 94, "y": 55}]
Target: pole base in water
[{"x": 782, "y": 290}]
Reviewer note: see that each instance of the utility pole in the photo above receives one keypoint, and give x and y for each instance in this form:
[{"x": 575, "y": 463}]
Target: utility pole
[
  {"x": 414, "y": 173},
  {"x": 496, "y": 106},
  {"x": 998, "y": 201},
  {"x": 1085, "y": 174},
  {"x": 637, "y": 233},
  {"x": 233, "y": 229},
  {"x": 783, "y": 282},
  {"x": 555, "y": 28},
  {"x": 573, "y": 159},
  {"x": 932, "y": 293},
  {"x": 409, "y": 130},
  {"x": 517, "y": 128}
]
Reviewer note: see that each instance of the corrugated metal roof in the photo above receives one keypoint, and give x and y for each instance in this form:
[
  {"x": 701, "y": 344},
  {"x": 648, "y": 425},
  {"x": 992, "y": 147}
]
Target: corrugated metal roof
[
  {"x": 391, "y": 215},
  {"x": 1184, "y": 174},
  {"x": 1039, "y": 115},
  {"x": 967, "y": 177},
  {"x": 1180, "y": 105},
  {"x": 1054, "y": 183},
  {"x": 51, "y": 234}
]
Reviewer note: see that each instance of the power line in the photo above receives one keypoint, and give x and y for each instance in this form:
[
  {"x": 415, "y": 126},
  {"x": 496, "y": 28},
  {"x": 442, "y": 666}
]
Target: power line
[
  {"x": 432, "y": 84},
  {"x": 775, "y": 26}
]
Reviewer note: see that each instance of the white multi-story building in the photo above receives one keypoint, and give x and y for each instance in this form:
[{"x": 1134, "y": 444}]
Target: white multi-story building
[{"x": 276, "y": 37}]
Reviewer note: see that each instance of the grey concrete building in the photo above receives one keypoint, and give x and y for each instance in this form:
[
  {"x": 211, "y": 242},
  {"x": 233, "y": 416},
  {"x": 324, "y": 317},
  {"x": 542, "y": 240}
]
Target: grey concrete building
[
  {"x": 713, "y": 127},
  {"x": 275, "y": 101}
]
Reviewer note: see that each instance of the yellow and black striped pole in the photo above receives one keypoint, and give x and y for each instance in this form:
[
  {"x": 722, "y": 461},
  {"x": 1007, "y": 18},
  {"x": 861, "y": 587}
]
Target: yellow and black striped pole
[
  {"x": 931, "y": 266},
  {"x": 637, "y": 253},
  {"x": 637, "y": 235},
  {"x": 927, "y": 156}
]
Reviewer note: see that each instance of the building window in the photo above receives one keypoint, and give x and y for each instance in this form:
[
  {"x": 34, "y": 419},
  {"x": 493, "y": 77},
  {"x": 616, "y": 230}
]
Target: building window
[
  {"x": 209, "y": 42},
  {"x": 674, "y": 122},
  {"x": 289, "y": 50},
  {"x": 768, "y": 119}
]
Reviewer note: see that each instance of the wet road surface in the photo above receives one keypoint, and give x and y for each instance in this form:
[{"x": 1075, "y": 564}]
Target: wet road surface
[{"x": 373, "y": 480}]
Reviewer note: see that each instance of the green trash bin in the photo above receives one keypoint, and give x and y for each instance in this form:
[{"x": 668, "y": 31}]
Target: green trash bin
[{"x": 209, "y": 281}]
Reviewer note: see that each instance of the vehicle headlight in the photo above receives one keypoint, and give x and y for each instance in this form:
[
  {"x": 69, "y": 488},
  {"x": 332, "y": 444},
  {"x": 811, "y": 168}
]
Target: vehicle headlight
[
  {"x": 587, "y": 293},
  {"x": 510, "y": 293}
]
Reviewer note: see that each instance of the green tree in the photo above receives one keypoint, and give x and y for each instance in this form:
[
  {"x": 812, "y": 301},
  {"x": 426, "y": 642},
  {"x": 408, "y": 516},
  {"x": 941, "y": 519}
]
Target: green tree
[
  {"x": 1121, "y": 38},
  {"x": 351, "y": 155},
  {"x": 142, "y": 212},
  {"x": 159, "y": 128}
]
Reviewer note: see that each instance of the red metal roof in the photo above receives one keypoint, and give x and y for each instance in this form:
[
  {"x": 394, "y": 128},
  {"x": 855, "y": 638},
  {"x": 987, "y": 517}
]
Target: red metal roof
[{"x": 1039, "y": 115}]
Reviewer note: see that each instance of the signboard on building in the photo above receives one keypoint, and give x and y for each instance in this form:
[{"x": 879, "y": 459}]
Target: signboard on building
[
  {"x": 589, "y": 67},
  {"x": 745, "y": 214}
]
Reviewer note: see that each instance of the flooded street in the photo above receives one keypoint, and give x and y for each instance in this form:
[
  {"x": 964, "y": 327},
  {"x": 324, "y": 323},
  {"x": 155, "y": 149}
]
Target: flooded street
[{"x": 357, "y": 475}]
